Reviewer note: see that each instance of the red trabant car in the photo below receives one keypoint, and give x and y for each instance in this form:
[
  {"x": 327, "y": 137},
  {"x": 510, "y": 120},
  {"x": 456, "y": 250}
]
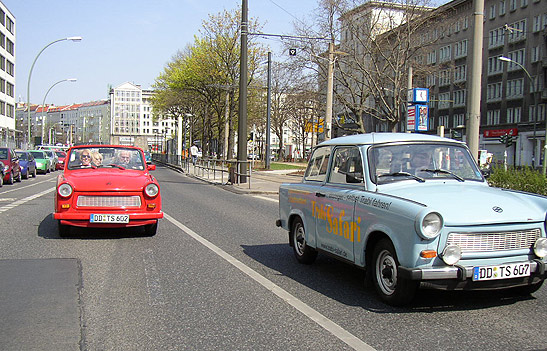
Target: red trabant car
[{"x": 107, "y": 186}]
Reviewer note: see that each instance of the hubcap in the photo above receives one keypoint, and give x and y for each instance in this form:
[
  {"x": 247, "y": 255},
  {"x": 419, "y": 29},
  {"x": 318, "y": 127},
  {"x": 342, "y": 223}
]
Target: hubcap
[
  {"x": 386, "y": 272},
  {"x": 299, "y": 241}
]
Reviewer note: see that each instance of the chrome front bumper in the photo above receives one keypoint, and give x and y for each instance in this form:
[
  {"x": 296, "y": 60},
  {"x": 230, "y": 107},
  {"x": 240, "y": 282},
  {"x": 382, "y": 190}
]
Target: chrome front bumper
[{"x": 461, "y": 273}]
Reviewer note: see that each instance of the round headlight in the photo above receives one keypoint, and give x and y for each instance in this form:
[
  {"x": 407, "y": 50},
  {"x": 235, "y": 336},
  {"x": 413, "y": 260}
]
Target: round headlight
[
  {"x": 65, "y": 190},
  {"x": 152, "y": 190},
  {"x": 540, "y": 247},
  {"x": 452, "y": 254},
  {"x": 431, "y": 225}
]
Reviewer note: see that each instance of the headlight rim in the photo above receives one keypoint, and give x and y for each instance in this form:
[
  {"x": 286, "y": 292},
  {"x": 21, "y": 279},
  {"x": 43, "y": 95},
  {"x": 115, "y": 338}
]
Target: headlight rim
[
  {"x": 153, "y": 185},
  {"x": 420, "y": 225},
  {"x": 64, "y": 186},
  {"x": 444, "y": 255},
  {"x": 541, "y": 241}
]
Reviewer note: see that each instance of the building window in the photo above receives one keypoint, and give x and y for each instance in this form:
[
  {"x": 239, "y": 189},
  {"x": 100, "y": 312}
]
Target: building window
[
  {"x": 493, "y": 92},
  {"x": 10, "y": 111},
  {"x": 9, "y": 24},
  {"x": 430, "y": 80},
  {"x": 443, "y": 121},
  {"x": 459, "y": 120},
  {"x": 493, "y": 117},
  {"x": 492, "y": 11},
  {"x": 540, "y": 115},
  {"x": 514, "y": 88},
  {"x": 444, "y": 53},
  {"x": 10, "y": 89},
  {"x": 432, "y": 57},
  {"x": 460, "y": 49},
  {"x": 444, "y": 100},
  {"x": 10, "y": 46},
  {"x": 460, "y": 73},
  {"x": 517, "y": 56},
  {"x": 514, "y": 115},
  {"x": 536, "y": 24},
  {"x": 523, "y": 3},
  {"x": 512, "y": 5},
  {"x": 459, "y": 97},
  {"x": 517, "y": 31},
  {"x": 10, "y": 68},
  {"x": 495, "y": 65},
  {"x": 2, "y": 17},
  {"x": 496, "y": 38},
  {"x": 444, "y": 78},
  {"x": 536, "y": 54},
  {"x": 502, "y": 7}
]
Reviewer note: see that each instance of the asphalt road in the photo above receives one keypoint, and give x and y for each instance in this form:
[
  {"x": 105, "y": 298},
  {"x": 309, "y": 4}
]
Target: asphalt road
[{"x": 219, "y": 275}]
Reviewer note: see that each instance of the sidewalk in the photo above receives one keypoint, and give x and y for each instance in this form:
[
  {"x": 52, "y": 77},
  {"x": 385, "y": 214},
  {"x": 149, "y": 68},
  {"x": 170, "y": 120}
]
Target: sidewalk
[{"x": 260, "y": 182}]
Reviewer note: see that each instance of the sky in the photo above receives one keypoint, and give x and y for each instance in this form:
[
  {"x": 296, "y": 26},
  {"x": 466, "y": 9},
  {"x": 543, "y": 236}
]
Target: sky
[{"x": 123, "y": 40}]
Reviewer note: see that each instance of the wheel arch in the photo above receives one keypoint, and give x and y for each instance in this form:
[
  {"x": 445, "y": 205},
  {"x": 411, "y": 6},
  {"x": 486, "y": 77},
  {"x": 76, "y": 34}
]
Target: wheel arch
[{"x": 373, "y": 239}]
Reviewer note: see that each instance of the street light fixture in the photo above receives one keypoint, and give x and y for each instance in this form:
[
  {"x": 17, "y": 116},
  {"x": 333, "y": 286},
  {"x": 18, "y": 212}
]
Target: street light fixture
[
  {"x": 30, "y": 75},
  {"x": 44, "y": 103},
  {"x": 531, "y": 80}
]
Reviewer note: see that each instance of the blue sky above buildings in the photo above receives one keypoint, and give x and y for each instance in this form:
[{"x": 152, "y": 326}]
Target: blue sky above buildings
[{"x": 122, "y": 40}]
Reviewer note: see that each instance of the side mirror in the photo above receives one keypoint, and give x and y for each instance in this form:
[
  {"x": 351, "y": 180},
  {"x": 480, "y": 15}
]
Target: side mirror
[{"x": 151, "y": 167}]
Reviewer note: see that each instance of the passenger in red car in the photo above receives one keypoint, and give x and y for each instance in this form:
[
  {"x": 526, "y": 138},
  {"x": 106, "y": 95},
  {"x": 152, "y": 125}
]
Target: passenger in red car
[{"x": 85, "y": 158}]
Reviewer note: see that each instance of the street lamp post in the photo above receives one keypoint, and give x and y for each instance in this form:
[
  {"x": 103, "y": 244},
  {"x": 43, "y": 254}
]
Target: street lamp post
[
  {"x": 44, "y": 103},
  {"x": 507, "y": 59},
  {"x": 30, "y": 75}
]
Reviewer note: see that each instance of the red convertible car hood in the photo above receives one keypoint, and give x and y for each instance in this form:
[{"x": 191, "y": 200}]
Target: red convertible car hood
[{"x": 109, "y": 178}]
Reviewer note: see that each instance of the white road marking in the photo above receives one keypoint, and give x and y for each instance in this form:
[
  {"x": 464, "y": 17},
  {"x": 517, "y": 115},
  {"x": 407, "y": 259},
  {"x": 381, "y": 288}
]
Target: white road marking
[
  {"x": 26, "y": 199},
  {"x": 266, "y": 198},
  {"x": 27, "y": 186},
  {"x": 312, "y": 314}
]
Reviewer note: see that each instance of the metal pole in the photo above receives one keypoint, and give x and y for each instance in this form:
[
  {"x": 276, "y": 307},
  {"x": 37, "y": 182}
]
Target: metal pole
[
  {"x": 44, "y": 103},
  {"x": 268, "y": 111},
  {"x": 242, "y": 123},
  {"x": 474, "y": 115},
  {"x": 330, "y": 87},
  {"x": 30, "y": 75}
]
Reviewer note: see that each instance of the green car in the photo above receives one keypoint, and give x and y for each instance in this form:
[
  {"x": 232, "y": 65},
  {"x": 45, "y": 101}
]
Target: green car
[{"x": 42, "y": 161}]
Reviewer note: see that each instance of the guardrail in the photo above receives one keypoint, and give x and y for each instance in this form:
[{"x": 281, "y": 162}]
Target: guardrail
[{"x": 208, "y": 168}]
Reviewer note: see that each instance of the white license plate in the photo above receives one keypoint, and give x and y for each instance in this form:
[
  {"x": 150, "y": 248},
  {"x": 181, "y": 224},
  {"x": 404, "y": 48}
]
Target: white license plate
[
  {"x": 503, "y": 271},
  {"x": 108, "y": 218}
]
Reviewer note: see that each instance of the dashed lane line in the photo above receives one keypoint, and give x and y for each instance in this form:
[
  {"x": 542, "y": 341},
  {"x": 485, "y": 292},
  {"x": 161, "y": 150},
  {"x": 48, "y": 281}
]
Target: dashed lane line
[
  {"x": 23, "y": 200},
  {"x": 321, "y": 320}
]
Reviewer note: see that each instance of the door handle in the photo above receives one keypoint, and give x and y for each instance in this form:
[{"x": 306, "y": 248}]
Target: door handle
[{"x": 320, "y": 195}]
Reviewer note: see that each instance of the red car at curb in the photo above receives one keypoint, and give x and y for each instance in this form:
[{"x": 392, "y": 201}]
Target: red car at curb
[{"x": 107, "y": 186}]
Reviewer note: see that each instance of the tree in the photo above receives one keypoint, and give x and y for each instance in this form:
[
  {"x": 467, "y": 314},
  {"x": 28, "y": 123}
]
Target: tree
[{"x": 378, "y": 43}]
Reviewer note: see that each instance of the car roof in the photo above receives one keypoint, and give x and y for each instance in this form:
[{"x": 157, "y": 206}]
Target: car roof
[{"x": 380, "y": 138}]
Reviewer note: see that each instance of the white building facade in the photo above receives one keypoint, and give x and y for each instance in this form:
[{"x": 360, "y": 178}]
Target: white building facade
[
  {"x": 7, "y": 75},
  {"x": 132, "y": 119}
]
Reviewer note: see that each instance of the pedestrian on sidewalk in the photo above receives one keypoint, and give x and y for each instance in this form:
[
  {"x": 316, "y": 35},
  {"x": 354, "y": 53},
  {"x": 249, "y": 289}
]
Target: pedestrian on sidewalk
[{"x": 194, "y": 153}]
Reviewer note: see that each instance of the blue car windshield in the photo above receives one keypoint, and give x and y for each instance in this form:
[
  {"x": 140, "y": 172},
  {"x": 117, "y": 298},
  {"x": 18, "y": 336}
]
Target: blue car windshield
[{"x": 421, "y": 162}]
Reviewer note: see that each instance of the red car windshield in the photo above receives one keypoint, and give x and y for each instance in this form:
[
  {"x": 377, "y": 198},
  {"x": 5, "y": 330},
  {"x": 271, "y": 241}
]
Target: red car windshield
[{"x": 105, "y": 157}]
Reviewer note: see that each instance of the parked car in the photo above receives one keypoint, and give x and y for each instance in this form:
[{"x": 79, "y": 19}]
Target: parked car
[
  {"x": 107, "y": 186},
  {"x": 12, "y": 169},
  {"x": 411, "y": 209},
  {"x": 43, "y": 162},
  {"x": 253, "y": 157},
  {"x": 53, "y": 160},
  {"x": 60, "y": 159},
  {"x": 27, "y": 163}
]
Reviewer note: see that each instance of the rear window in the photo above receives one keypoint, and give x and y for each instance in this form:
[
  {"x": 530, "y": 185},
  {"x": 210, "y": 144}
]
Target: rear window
[{"x": 4, "y": 154}]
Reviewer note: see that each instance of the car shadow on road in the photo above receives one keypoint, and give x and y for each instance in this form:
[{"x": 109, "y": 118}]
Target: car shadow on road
[
  {"x": 48, "y": 229},
  {"x": 345, "y": 283}
]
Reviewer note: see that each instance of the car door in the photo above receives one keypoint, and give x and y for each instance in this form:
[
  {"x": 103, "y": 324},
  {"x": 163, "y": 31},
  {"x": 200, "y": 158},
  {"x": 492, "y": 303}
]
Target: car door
[{"x": 337, "y": 230}]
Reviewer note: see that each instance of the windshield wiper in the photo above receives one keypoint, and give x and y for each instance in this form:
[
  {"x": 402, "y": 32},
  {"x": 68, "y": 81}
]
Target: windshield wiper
[
  {"x": 444, "y": 171},
  {"x": 402, "y": 174},
  {"x": 117, "y": 166}
]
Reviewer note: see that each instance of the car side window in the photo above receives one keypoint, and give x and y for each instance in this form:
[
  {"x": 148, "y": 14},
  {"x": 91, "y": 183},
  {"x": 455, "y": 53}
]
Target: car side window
[
  {"x": 318, "y": 164},
  {"x": 347, "y": 167}
]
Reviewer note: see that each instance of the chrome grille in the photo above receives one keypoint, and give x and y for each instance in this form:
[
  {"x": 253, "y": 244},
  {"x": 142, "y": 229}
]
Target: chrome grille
[
  {"x": 108, "y": 201},
  {"x": 498, "y": 241}
]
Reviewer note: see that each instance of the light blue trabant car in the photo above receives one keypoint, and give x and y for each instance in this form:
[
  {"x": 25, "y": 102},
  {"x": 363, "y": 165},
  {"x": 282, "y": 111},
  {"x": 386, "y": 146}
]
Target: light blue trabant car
[{"x": 413, "y": 209}]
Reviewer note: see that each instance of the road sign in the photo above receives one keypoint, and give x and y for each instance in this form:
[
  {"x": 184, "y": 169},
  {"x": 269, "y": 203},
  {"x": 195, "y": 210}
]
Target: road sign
[{"x": 292, "y": 52}]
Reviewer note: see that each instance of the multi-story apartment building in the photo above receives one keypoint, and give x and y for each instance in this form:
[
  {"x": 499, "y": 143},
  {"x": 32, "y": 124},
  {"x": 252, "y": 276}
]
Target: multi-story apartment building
[
  {"x": 132, "y": 119},
  {"x": 513, "y": 85},
  {"x": 513, "y": 77},
  {"x": 7, "y": 76}
]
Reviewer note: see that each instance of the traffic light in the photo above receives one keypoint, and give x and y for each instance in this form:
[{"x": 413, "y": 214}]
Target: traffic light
[{"x": 506, "y": 139}]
